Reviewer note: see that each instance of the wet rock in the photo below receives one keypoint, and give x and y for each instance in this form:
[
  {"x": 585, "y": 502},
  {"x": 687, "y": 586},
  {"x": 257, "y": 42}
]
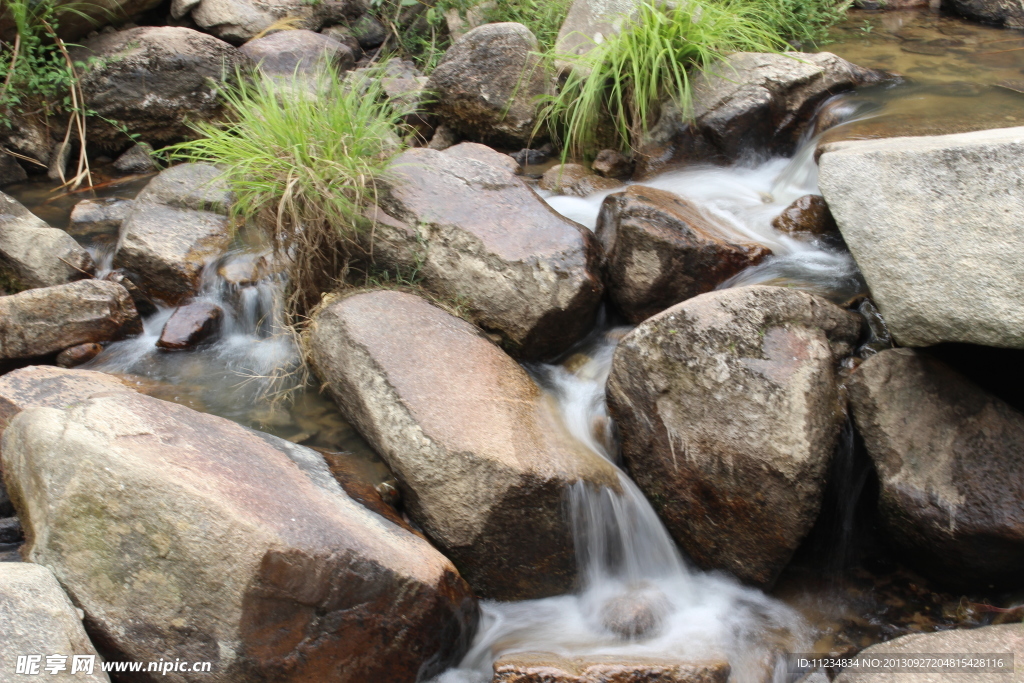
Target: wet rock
[
  {"x": 809, "y": 214},
  {"x": 950, "y": 461},
  {"x": 612, "y": 164},
  {"x": 938, "y": 269},
  {"x": 1000, "y": 12},
  {"x": 662, "y": 249},
  {"x": 237, "y": 21},
  {"x": 92, "y": 218},
  {"x": 547, "y": 667},
  {"x": 368, "y": 31},
  {"x": 728, "y": 410},
  {"x": 482, "y": 462},
  {"x": 32, "y": 254},
  {"x": 191, "y": 325},
  {"x": 151, "y": 79},
  {"x": 576, "y": 180},
  {"x": 1003, "y": 638},
  {"x": 638, "y": 613},
  {"x": 10, "y": 170},
  {"x": 42, "y": 321},
  {"x": 298, "y": 52},
  {"x": 143, "y": 304},
  {"x": 36, "y": 617},
  {"x": 137, "y": 160},
  {"x": 477, "y": 234},
  {"x": 76, "y": 355},
  {"x": 487, "y": 83},
  {"x": 752, "y": 101},
  {"x": 177, "y": 224},
  {"x": 241, "y": 537},
  {"x": 531, "y": 157}
]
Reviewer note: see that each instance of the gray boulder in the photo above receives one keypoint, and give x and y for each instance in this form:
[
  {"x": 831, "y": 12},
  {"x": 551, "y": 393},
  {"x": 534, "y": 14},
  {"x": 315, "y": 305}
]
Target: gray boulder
[
  {"x": 32, "y": 254},
  {"x": 37, "y": 618},
  {"x": 486, "y": 85},
  {"x": 237, "y": 21},
  {"x": 42, "y": 321},
  {"x": 750, "y": 101},
  {"x": 979, "y": 642},
  {"x": 92, "y": 218},
  {"x": 1001, "y": 12},
  {"x": 939, "y": 267},
  {"x": 729, "y": 410},
  {"x": 297, "y": 53},
  {"x": 479, "y": 236},
  {"x": 950, "y": 462},
  {"x": 481, "y": 458},
  {"x": 176, "y": 225},
  {"x": 185, "y": 535},
  {"x": 662, "y": 249},
  {"x": 153, "y": 80},
  {"x": 137, "y": 159}
]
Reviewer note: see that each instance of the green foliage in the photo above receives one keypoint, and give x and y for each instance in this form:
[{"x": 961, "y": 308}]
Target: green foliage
[
  {"x": 34, "y": 76},
  {"x": 804, "y": 23},
  {"x": 623, "y": 79},
  {"x": 543, "y": 17},
  {"x": 305, "y": 161}
]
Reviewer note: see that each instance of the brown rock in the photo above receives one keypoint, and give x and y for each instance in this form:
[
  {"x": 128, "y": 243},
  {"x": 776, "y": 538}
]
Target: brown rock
[
  {"x": 545, "y": 667},
  {"x": 238, "y": 548},
  {"x": 478, "y": 235},
  {"x": 662, "y": 249},
  {"x": 76, "y": 355},
  {"x": 482, "y": 461},
  {"x": 576, "y": 180},
  {"x": 190, "y": 325},
  {"x": 729, "y": 410},
  {"x": 808, "y": 214},
  {"x": 42, "y": 321},
  {"x": 612, "y": 164},
  {"x": 950, "y": 461}
]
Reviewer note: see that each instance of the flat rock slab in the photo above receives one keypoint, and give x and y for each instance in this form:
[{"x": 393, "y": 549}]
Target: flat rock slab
[
  {"x": 190, "y": 325},
  {"x": 32, "y": 254},
  {"x": 184, "y": 535},
  {"x": 950, "y": 462},
  {"x": 934, "y": 224},
  {"x": 728, "y": 410},
  {"x": 478, "y": 236},
  {"x": 37, "y": 618},
  {"x": 38, "y": 322},
  {"x": 545, "y": 667},
  {"x": 481, "y": 458}
]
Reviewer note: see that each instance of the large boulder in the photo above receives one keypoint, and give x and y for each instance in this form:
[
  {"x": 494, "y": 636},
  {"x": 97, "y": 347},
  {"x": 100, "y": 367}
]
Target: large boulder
[
  {"x": 662, "y": 249},
  {"x": 1000, "y": 12},
  {"x": 185, "y": 535},
  {"x": 239, "y": 20},
  {"x": 750, "y": 101},
  {"x": 42, "y": 321},
  {"x": 76, "y": 19},
  {"x": 976, "y": 644},
  {"x": 729, "y": 411},
  {"x": 482, "y": 461},
  {"x": 32, "y": 254},
  {"x": 37, "y": 619},
  {"x": 950, "y": 461},
  {"x": 477, "y": 235},
  {"x": 486, "y": 84},
  {"x": 153, "y": 81},
  {"x": 940, "y": 267},
  {"x": 589, "y": 22},
  {"x": 297, "y": 53},
  {"x": 176, "y": 225}
]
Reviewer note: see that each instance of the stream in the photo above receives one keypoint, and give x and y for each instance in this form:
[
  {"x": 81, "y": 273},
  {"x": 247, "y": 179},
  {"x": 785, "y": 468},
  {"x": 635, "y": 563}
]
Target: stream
[{"x": 837, "y": 596}]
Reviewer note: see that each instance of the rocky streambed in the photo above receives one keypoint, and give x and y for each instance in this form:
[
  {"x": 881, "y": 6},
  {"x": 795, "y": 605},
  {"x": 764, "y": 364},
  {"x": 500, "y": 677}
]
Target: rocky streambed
[{"x": 649, "y": 419}]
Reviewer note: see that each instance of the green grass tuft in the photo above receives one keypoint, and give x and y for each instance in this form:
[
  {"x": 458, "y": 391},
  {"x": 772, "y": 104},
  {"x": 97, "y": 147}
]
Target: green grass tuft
[{"x": 304, "y": 168}]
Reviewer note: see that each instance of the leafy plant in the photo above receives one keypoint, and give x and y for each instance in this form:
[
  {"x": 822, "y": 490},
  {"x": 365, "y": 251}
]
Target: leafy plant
[
  {"x": 621, "y": 81},
  {"x": 304, "y": 160}
]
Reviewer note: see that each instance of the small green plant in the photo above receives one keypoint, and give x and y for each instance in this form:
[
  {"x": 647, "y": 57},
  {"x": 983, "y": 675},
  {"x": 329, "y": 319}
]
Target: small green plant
[
  {"x": 304, "y": 160},
  {"x": 543, "y": 17}
]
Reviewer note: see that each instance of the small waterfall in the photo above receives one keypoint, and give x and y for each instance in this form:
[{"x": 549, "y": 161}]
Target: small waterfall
[{"x": 637, "y": 596}]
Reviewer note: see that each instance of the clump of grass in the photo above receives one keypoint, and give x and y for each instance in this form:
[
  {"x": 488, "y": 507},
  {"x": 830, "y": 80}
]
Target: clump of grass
[
  {"x": 804, "y": 23},
  {"x": 305, "y": 160},
  {"x": 543, "y": 17},
  {"x": 622, "y": 80}
]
